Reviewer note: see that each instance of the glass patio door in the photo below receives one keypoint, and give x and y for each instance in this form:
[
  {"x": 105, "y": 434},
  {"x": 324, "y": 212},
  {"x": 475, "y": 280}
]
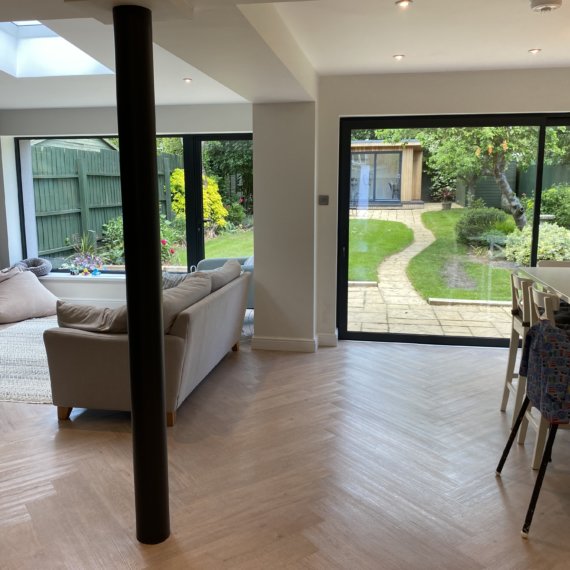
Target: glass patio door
[
  {"x": 434, "y": 264},
  {"x": 219, "y": 194}
]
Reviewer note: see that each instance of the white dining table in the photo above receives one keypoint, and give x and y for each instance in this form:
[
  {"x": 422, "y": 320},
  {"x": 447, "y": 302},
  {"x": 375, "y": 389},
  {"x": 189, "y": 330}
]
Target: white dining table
[{"x": 557, "y": 279}]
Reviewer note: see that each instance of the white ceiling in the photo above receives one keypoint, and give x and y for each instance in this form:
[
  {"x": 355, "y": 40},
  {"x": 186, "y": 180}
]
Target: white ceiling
[{"x": 264, "y": 51}]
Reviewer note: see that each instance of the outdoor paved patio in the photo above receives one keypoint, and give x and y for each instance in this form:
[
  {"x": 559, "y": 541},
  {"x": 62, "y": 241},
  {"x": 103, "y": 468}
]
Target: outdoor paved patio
[{"x": 394, "y": 306}]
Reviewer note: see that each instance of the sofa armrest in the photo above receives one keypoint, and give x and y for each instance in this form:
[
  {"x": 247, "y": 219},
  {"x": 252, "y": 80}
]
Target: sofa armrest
[
  {"x": 91, "y": 370},
  {"x": 88, "y": 370}
]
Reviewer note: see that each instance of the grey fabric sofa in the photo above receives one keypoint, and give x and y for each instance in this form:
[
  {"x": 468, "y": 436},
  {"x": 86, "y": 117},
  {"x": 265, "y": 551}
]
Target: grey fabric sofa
[
  {"x": 91, "y": 370},
  {"x": 246, "y": 265}
]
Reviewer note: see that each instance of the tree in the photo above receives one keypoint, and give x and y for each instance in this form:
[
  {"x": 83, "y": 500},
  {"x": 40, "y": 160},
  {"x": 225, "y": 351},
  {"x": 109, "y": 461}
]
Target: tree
[
  {"x": 169, "y": 145},
  {"x": 224, "y": 159},
  {"x": 466, "y": 153}
]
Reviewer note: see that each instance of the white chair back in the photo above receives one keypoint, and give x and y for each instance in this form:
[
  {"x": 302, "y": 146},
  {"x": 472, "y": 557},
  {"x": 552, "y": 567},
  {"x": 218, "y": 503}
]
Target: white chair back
[
  {"x": 520, "y": 298},
  {"x": 543, "y": 305}
]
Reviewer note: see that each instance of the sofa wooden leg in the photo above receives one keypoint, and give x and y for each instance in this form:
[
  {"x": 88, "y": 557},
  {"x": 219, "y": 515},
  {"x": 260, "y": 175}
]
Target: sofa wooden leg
[
  {"x": 170, "y": 418},
  {"x": 63, "y": 413},
  {"x": 235, "y": 347}
]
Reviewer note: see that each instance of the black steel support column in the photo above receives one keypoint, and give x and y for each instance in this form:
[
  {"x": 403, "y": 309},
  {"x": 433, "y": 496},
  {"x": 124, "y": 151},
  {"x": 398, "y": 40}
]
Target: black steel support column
[{"x": 137, "y": 138}]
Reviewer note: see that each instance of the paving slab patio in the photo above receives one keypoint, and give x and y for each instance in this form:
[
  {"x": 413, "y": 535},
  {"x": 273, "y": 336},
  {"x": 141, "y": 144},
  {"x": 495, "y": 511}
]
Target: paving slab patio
[{"x": 394, "y": 306}]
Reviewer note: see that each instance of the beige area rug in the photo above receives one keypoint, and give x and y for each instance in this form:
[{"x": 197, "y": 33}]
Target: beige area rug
[{"x": 24, "y": 374}]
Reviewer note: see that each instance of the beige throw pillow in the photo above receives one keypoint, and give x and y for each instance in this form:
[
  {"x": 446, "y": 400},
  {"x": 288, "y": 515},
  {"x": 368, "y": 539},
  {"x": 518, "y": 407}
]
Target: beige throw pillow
[
  {"x": 229, "y": 271},
  {"x": 195, "y": 287},
  {"x": 114, "y": 321},
  {"x": 92, "y": 319},
  {"x": 24, "y": 297},
  {"x": 9, "y": 272}
]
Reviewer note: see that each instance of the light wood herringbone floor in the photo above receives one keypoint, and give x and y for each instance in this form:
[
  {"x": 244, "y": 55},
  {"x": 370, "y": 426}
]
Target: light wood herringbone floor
[{"x": 377, "y": 456}]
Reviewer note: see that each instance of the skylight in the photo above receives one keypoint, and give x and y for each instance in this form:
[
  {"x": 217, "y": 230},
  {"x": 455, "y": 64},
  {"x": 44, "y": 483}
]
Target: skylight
[
  {"x": 27, "y": 23},
  {"x": 31, "y": 49}
]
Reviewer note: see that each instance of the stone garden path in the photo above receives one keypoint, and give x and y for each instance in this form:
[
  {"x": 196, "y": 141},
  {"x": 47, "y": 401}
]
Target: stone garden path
[{"x": 393, "y": 305}]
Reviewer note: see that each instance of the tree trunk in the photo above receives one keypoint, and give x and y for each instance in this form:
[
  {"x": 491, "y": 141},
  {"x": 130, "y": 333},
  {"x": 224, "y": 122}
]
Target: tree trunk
[{"x": 509, "y": 200}]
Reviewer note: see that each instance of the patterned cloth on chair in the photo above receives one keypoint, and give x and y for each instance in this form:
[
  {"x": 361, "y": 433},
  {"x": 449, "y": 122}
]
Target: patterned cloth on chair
[{"x": 546, "y": 365}]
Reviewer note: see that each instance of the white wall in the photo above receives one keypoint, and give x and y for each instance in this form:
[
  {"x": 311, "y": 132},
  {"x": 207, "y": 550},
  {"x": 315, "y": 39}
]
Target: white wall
[
  {"x": 176, "y": 119},
  {"x": 284, "y": 197},
  {"x": 10, "y": 235},
  {"x": 411, "y": 94}
]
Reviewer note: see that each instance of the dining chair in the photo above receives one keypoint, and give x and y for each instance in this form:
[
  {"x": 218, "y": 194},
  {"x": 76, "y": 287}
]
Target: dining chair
[
  {"x": 519, "y": 326},
  {"x": 546, "y": 366},
  {"x": 543, "y": 306}
]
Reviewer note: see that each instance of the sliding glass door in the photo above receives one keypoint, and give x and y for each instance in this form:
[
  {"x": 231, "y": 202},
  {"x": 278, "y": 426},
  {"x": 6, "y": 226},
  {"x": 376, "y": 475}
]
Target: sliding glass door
[{"x": 434, "y": 214}]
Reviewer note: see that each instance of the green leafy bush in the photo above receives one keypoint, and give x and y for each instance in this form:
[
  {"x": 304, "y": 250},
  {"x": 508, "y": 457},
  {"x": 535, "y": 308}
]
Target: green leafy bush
[
  {"x": 214, "y": 212},
  {"x": 476, "y": 222},
  {"x": 477, "y": 203},
  {"x": 177, "y": 197},
  {"x": 178, "y": 229},
  {"x": 171, "y": 232},
  {"x": 553, "y": 244},
  {"x": 113, "y": 242},
  {"x": 236, "y": 214},
  {"x": 556, "y": 201}
]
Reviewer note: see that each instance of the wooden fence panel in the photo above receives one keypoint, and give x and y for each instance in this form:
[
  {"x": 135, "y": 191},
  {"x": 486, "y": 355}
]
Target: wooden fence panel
[{"x": 78, "y": 191}]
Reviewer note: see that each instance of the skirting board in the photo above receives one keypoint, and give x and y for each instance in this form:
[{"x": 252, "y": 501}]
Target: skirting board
[
  {"x": 284, "y": 344},
  {"x": 327, "y": 339}
]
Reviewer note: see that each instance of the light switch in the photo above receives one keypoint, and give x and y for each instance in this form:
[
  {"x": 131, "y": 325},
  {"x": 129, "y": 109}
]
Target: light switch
[{"x": 323, "y": 200}]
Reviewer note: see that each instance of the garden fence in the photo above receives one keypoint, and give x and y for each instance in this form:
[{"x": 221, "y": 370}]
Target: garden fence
[{"x": 77, "y": 191}]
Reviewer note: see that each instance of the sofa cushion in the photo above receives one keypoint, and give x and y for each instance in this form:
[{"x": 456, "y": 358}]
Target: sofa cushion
[
  {"x": 221, "y": 276},
  {"x": 196, "y": 286},
  {"x": 9, "y": 272},
  {"x": 172, "y": 279},
  {"x": 24, "y": 297},
  {"x": 92, "y": 319}
]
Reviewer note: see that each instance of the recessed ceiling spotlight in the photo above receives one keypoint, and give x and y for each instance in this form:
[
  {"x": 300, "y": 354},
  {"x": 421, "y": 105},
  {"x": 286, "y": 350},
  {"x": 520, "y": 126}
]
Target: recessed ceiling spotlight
[
  {"x": 403, "y": 3},
  {"x": 399, "y": 56},
  {"x": 545, "y": 5},
  {"x": 534, "y": 51},
  {"x": 187, "y": 80}
]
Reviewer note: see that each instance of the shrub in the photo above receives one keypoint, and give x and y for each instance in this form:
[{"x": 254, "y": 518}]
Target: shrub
[
  {"x": 214, "y": 212},
  {"x": 113, "y": 242},
  {"x": 178, "y": 228},
  {"x": 553, "y": 244},
  {"x": 236, "y": 214},
  {"x": 506, "y": 226},
  {"x": 476, "y": 222},
  {"x": 556, "y": 201},
  {"x": 477, "y": 203},
  {"x": 171, "y": 232},
  {"x": 177, "y": 196}
]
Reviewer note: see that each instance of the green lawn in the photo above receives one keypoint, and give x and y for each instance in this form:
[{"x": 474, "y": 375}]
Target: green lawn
[
  {"x": 426, "y": 270},
  {"x": 371, "y": 241},
  {"x": 234, "y": 244}
]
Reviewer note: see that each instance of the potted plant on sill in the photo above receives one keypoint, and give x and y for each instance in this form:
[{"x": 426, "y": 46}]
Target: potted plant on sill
[{"x": 84, "y": 260}]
